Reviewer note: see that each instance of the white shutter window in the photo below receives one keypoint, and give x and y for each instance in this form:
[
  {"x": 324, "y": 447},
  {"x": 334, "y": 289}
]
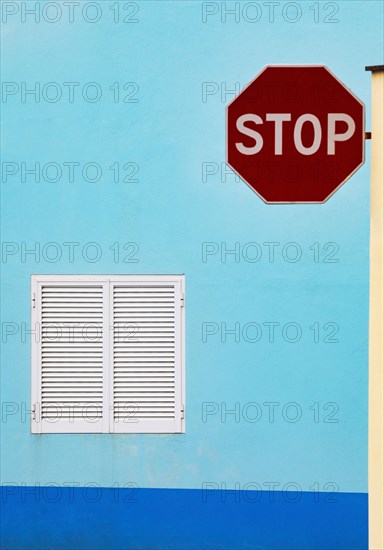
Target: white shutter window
[{"x": 108, "y": 356}]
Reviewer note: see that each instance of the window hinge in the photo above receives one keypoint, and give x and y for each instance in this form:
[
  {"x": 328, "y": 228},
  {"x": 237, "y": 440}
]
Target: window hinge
[
  {"x": 182, "y": 410},
  {"x": 35, "y": 412},
  {"x": 182, "y": 300},
  {"x": 34, "y": 300}
]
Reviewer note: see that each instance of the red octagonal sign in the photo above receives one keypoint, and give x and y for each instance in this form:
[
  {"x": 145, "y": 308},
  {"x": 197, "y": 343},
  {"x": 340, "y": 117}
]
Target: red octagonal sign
[{"x": 295, "y": 134}]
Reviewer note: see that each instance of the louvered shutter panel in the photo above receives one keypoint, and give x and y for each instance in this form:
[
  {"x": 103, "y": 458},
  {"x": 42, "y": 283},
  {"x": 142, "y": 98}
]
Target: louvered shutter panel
[
  {"x": 147, "y": 357},
  {"x": 70, "y": 357}
]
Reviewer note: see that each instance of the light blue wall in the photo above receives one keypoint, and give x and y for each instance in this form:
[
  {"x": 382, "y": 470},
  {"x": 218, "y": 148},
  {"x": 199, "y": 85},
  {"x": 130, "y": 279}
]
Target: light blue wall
[{"x": 169, "y": 213}]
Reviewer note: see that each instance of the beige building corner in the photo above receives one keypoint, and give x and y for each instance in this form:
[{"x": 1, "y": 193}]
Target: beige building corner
[{"x": 376, "y": 318}]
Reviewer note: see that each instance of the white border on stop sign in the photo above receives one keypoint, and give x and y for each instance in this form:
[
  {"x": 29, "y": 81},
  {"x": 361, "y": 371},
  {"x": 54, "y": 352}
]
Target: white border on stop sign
[{"x": 286, "y": 67}]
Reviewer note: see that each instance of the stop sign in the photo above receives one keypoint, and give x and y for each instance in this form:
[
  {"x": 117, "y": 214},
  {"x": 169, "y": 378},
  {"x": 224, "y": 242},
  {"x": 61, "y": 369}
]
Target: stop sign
[{"x": 295, "y": 134}]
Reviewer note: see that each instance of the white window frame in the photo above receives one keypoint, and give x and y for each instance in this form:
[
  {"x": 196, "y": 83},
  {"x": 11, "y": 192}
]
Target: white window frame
[{"x": 106, "y": 424}]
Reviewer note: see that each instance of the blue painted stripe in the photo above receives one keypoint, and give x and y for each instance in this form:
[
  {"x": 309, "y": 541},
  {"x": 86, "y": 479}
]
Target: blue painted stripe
[{"x": 68, "y": 518}]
